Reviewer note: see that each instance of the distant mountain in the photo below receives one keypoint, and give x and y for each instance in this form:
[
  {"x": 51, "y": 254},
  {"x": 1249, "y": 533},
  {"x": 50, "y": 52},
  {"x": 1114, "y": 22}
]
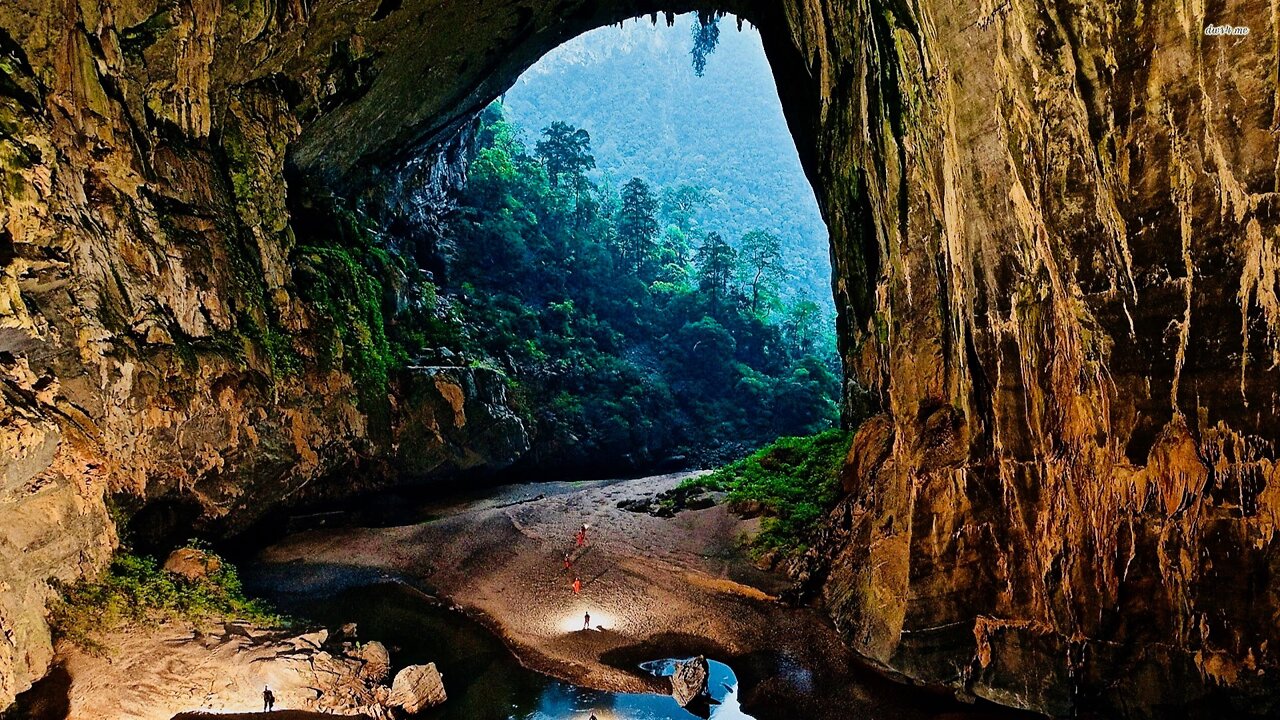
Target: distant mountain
[{"x": 634, "y": 90}]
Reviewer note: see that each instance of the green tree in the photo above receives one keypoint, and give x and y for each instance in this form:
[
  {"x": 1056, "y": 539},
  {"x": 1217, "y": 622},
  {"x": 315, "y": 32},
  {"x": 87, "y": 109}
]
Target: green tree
[
  {"x": 717, "y": 262},
  {"x": 680, "y": 204},
  {"x": 637, "y": 224},
  {"x": 801, "y": 326},
  {"x": 565, "y": 151},
  {"x": 760, "y": 253}
]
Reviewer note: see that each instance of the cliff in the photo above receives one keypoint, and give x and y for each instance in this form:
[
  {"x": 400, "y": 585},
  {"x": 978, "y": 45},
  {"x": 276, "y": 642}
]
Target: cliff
[{"x": 1055, "y": 241}]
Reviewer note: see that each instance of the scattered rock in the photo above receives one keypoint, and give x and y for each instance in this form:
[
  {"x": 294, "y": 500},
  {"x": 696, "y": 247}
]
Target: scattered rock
[
  {"x": 418, "y": 687},
  {"x": 192, "y": 564},
  {"x": 312, "y": 639},
  {"x": 689, "y": 681}
]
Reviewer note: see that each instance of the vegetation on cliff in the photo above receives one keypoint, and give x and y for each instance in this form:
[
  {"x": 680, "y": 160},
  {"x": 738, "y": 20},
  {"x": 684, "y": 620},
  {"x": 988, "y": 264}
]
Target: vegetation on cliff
[
  {"x": 792, "y": 482},
  {"x": 633, "y": 333},
  {"x": 135, "y": 589}
]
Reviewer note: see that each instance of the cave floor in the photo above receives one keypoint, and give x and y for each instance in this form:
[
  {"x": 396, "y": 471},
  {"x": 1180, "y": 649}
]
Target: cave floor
[{"x": 655, "y": 587}]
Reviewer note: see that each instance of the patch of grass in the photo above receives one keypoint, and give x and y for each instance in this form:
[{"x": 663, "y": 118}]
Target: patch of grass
[
  {"x": 135, "y": 590},
  {"x": 793, "y": 482}
]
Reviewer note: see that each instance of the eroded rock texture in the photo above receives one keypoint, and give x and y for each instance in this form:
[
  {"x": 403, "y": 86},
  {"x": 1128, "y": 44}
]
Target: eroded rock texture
[
  {"x": 1055, "y": 232},
  {"x": 1055, "y": 226}
]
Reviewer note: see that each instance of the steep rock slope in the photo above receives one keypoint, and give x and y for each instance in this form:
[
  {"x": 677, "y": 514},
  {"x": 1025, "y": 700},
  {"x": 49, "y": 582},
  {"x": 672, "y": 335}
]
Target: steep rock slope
[
  {"x": 1055, "y": 232},
  {"x": 1056, "y": 268}
]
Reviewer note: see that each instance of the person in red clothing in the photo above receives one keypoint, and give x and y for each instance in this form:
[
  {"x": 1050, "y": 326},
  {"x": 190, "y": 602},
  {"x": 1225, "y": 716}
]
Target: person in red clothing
[
  {"x": 582, "y": 536},
  {"x": 568, "y": 563},
  {"x": 577, "y": 585}
]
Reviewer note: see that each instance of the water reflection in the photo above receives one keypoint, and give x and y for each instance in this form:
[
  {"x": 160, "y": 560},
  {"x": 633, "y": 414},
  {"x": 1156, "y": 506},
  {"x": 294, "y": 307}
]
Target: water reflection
[
  {"x": 559, "y": 700},
  {"x": 483, "y": 679}
]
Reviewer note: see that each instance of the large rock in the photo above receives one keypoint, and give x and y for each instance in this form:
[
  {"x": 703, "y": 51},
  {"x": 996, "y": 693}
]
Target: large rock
[
  {"x": 416, "y": 688},
  {"x": 376, "y": 658},
  {"x": 192, "y": 564},
  {"x": 689, "y": 680}
]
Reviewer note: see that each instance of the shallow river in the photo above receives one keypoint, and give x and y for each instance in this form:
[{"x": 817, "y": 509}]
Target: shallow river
[{"x": 483, "y": 679}]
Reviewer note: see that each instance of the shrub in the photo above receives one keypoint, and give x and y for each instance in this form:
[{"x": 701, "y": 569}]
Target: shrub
[
  {"x": 794, "y": 483},
  {"x": 135, "y": 590}
]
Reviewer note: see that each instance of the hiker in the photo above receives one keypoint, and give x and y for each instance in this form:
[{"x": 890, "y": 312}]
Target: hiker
[
  {"x": 268, "y": 699},
  {"x": 568, "y": 564},
  {"x": 582, "y": 536},
  {"x": 577, "y": 585},
  {"x": 586, "y": 620}
]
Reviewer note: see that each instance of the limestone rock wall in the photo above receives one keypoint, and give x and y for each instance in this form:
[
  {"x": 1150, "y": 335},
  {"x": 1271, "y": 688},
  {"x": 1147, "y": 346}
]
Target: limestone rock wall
[
  {"x": 154, "y": 347},
  {"x": 1055, "y": 233}
]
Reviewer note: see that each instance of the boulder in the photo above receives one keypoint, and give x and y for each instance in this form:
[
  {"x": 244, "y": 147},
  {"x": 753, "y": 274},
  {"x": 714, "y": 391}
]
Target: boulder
[
  {"x": 192, "y": 564},
  {"x": 689, "y": 681},
  {"x": 416, "y": 688},
  {"x": 376, "y": 659}
]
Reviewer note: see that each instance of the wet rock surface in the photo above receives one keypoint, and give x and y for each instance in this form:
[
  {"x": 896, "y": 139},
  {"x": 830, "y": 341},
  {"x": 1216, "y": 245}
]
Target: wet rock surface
[{"x": 689, "y": 681}]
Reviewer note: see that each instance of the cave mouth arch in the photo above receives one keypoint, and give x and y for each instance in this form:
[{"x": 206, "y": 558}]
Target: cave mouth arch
[
  {"x": 408, "y": 99},
  {"x": 714, "y": 160}
]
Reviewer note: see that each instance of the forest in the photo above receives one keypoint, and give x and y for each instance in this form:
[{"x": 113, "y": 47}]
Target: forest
[{"x": 634, "y": 337}]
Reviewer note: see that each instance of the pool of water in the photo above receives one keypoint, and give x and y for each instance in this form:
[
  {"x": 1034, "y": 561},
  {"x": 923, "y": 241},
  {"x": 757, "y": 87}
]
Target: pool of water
[{"x": 484, "y": 681}]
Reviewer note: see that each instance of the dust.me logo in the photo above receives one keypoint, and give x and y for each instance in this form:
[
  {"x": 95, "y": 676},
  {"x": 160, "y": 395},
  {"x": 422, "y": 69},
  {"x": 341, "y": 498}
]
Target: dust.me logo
[{"x": 1236, "y": 30}]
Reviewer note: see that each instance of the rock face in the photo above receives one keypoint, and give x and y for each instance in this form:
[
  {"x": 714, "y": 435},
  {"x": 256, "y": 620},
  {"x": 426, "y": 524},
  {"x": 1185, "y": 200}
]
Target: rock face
[
  {"x": 417, "y": 688},
  {"x": 689, "y": 681},
  {"x": 1057, "y": 266}
]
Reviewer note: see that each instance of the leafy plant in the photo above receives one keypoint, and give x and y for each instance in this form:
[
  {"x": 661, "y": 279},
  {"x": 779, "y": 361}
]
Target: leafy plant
[
  {"x": 793, "y": 482},
  {"x": 135, "y": 590}
]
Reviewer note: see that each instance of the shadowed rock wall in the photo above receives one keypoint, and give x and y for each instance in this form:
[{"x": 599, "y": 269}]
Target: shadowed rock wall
[{"x": 1057, "y": 265}]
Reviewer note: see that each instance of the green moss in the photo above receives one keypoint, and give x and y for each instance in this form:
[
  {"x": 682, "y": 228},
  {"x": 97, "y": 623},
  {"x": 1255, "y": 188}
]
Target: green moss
[
  {"x": 349, "y": 299},
  {"x": 134, "y": 590},
  {"x": 794, "y": 482}
]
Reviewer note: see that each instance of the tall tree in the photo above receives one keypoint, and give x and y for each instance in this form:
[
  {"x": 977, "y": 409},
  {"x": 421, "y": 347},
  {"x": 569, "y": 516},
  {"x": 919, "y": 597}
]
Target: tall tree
[
  {"x": 637, "y": 223},
  {"x": 801, "y": 326},
  {"x": 565, "y": 151},
  {"x": 761, "y": 255},
  {"x": 716, "y": 260},
  {"x": 680, "y": 204}
]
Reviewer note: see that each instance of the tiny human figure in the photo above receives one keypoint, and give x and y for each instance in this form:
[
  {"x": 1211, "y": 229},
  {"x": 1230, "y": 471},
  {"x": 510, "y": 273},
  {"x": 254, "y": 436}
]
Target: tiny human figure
[
  {"x": 586, "y": 620},
  {"x": 268, "y": 699},
  {"x": 567, "y": 562},
  {"x": 577, "y": 585},
  {"x": 582, "y": 536}
]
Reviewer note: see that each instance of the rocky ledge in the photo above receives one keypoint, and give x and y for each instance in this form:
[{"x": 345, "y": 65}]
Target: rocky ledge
[{"x": 224, "y": 668}]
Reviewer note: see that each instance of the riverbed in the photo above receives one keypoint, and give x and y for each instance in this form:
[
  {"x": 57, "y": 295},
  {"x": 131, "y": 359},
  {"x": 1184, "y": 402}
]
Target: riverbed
[{"x": 497, "y": 611}]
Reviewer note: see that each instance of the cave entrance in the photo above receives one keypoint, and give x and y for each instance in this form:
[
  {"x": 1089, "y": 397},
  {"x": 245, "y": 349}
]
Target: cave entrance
[{"x": 638, "y": 250}]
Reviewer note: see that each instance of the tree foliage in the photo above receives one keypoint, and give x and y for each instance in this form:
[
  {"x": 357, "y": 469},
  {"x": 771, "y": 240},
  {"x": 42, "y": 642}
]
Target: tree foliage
[
  {"x": 706, "y": 35},
  {"x": 624, "y": 343}
]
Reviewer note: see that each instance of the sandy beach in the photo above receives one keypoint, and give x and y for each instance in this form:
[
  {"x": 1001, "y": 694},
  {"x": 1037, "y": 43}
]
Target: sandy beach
[{"x": 654, "y": 587}]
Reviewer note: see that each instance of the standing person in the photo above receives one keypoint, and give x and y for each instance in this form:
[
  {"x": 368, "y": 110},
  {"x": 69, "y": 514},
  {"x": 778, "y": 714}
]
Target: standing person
[
  {"x": 268, "y": 699},
  {"x": 577, "y": 585},
  {"x": 586, "y": 620},
  {"x": 568, "y": 564},
  {"x": 582, "y": 536}
]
